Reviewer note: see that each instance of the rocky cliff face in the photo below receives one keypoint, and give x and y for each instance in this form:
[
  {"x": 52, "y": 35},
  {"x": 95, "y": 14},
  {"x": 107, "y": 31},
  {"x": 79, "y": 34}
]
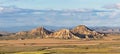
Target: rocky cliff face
[
  {"x": 84, "y": 32},
  {"x": 64, "y": 34}
]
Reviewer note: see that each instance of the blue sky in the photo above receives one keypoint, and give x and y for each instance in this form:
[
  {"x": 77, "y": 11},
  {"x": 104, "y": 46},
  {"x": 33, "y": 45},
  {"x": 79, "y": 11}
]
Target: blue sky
[
  {"x": 59, "y": 12},
  {"x": 57, "y": 4}
]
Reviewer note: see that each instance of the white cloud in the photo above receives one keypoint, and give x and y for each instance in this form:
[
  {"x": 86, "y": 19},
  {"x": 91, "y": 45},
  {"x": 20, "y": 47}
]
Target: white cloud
[
  {"x": 1, "y": 9},
  {"x": 8, "y": 9},
  {"x": 113, "y": 6},
  {"x": 113, "y": 14}
]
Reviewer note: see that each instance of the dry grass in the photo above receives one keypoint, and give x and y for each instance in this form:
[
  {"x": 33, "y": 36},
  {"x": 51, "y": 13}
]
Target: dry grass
[{"x": 109, "y": 45}]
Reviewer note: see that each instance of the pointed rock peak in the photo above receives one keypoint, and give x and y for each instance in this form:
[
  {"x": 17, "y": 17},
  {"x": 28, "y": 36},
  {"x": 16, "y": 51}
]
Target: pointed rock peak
[
  {"x": 82, "y": 27},
  {"x": 40, "y": 28}
]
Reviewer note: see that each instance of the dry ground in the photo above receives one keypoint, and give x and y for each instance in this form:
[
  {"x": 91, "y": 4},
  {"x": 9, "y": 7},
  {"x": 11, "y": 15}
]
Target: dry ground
[
  {"x": 113, "y": 41},
  {"x": 58, "y": 42}
]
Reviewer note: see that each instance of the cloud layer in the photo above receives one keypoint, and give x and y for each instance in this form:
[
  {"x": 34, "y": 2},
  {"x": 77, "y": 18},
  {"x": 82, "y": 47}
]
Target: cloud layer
[
  {"x": 113, "y": 6},
  {"x": 13, "y": 16}
]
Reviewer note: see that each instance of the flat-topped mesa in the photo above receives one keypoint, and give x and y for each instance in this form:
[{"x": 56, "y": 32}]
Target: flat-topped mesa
[
  {"x": 40, "y": 31},
  {"x": 82, "y": 31},
  {"x": 63, "y": 34}
]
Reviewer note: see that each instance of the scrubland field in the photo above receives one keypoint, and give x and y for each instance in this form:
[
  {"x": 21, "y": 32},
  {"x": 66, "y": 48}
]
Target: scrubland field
[{"x": 107, "y": 45}]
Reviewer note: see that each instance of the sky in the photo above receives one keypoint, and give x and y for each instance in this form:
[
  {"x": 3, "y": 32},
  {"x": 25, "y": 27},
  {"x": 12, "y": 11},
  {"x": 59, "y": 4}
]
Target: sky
[
  {"x": 57, "y": 4},
  {"x": 59, "y": 12}
]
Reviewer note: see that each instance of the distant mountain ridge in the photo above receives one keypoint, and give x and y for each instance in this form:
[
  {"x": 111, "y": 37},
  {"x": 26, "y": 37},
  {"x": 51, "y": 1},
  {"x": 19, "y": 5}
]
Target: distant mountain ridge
[
  {"x": 101, "y": 29},
  {"x": 107, "y": 29}
]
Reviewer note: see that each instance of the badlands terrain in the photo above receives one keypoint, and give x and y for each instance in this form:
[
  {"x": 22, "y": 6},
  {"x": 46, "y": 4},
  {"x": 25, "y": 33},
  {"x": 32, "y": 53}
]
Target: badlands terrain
[{"x": 79, "y": 40}]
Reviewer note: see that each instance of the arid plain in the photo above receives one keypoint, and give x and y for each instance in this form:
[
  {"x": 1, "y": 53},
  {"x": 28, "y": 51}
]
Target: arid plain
[{"x": 108, "y": 45}]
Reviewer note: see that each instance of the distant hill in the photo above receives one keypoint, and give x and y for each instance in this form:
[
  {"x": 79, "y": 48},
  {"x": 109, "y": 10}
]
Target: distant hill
[
  {"x": 112, "y": 30},
  {"x": 85, "y": 32},
  {"x": 17, "y": 28},
  {"x": 78, "y": 32},
  {"x": 2, "y": 33},
  {"x": 41, "y": 32}
]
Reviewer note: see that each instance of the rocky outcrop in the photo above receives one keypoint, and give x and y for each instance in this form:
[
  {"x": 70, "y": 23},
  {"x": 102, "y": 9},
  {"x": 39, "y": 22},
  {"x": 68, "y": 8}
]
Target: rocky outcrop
[
  {"x": 78, "y": 32},
  {"x": 81, "y": 29},
  {"x": 84, "y": 32},
  {"x": 40, "y": 32},
  {"x": 64, "y": 34}
]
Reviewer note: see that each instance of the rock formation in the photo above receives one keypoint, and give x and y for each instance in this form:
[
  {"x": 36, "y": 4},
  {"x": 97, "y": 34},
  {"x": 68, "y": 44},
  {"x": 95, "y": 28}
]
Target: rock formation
[
  {"x": 78, "y": 32},
  {"x": 40, "y": 32},
  {"x": 64, "y": 34},
  {"x": 84, "y": 32}
]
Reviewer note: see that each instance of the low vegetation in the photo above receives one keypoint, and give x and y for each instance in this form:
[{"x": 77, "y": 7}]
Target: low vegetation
[
  {"x": 102, "y": 48},
  {"x": 17, "y": 37},
  {"x": 110, "y": 46}
]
